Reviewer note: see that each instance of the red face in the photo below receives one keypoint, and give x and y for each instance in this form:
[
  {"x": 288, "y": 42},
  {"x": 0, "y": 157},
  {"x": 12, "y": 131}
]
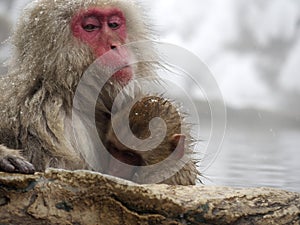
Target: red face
[{"x": 104, "y": 29}]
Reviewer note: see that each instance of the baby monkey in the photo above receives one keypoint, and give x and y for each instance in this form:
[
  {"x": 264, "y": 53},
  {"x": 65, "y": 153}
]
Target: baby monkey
[{"x": 170, "y": 162}]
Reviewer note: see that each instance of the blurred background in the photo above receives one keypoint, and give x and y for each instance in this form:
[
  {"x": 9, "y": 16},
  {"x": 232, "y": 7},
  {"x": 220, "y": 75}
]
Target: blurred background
[{"x": 253, "y": 50}]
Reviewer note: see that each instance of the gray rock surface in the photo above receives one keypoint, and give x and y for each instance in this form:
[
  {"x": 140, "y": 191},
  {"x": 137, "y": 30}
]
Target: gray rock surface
[{"x": 82, "y": 197}]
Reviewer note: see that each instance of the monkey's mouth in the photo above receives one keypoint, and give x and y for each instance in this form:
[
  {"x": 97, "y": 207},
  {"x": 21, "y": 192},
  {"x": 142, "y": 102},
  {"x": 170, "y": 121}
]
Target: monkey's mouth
[
  {"x": 119, "y": 59},
  {"x": 124, "y": 75}
]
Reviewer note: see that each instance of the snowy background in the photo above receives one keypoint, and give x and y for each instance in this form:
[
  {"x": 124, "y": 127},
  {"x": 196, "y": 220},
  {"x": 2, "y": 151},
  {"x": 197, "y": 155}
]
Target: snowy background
[{"x": 253, "y": 50}]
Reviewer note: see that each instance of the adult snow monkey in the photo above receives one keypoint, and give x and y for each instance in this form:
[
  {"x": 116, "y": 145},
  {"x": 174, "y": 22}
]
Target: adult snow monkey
[{"x": 55, "y": 42}]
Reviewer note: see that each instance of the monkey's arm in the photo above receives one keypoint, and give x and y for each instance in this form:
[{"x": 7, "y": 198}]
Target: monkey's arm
[{"x": 11, "y": 161}]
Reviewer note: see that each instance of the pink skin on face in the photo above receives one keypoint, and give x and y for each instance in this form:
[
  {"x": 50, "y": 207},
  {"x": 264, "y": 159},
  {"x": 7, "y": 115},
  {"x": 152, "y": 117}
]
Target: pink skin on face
[{"x": 104, "y": 29}]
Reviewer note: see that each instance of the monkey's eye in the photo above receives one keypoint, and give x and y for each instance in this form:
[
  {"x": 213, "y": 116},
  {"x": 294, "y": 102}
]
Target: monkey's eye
[
  {"x": 90, "y": 24},
  {"x": 114, "y": 22},
  {"x": 114, "y": 26},
  {"x": 131, "y": 158},
  {"x": 129, "y": 155},
  {"x": 90, "y": 27}
]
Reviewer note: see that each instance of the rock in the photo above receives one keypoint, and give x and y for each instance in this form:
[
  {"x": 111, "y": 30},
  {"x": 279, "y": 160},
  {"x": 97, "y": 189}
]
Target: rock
[{"x": 87, "y": 198}]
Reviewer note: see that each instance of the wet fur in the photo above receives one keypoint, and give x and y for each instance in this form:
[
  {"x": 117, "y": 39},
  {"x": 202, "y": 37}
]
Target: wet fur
[
  {"x": 48, "y": 62},
  {"x": 37, "y": 93}
]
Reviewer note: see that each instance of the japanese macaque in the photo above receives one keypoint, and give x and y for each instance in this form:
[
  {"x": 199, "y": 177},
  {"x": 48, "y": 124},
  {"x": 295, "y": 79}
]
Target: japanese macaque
[
  {"x": 55, "y": 42},
  {"x": 173, "y": 151}
]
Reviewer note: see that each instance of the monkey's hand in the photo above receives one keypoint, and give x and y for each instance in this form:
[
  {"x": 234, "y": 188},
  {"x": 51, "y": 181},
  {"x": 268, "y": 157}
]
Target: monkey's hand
[{"x": 12, "y": 162}]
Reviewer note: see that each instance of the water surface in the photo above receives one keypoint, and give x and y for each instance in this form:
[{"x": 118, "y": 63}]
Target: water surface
[{"x": 256, "y": 157}]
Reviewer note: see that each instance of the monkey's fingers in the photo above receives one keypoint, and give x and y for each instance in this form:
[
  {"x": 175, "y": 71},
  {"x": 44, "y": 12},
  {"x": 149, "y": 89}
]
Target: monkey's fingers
[{"x": 13, "y": 164}]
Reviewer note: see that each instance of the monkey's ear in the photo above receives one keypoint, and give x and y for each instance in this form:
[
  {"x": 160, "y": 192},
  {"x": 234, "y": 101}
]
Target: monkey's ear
[{"x": 178, "y": 140}]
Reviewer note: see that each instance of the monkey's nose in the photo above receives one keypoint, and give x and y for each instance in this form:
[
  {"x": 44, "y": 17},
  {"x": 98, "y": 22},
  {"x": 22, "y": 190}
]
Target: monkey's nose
[{"x": 113, "y": 47}]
